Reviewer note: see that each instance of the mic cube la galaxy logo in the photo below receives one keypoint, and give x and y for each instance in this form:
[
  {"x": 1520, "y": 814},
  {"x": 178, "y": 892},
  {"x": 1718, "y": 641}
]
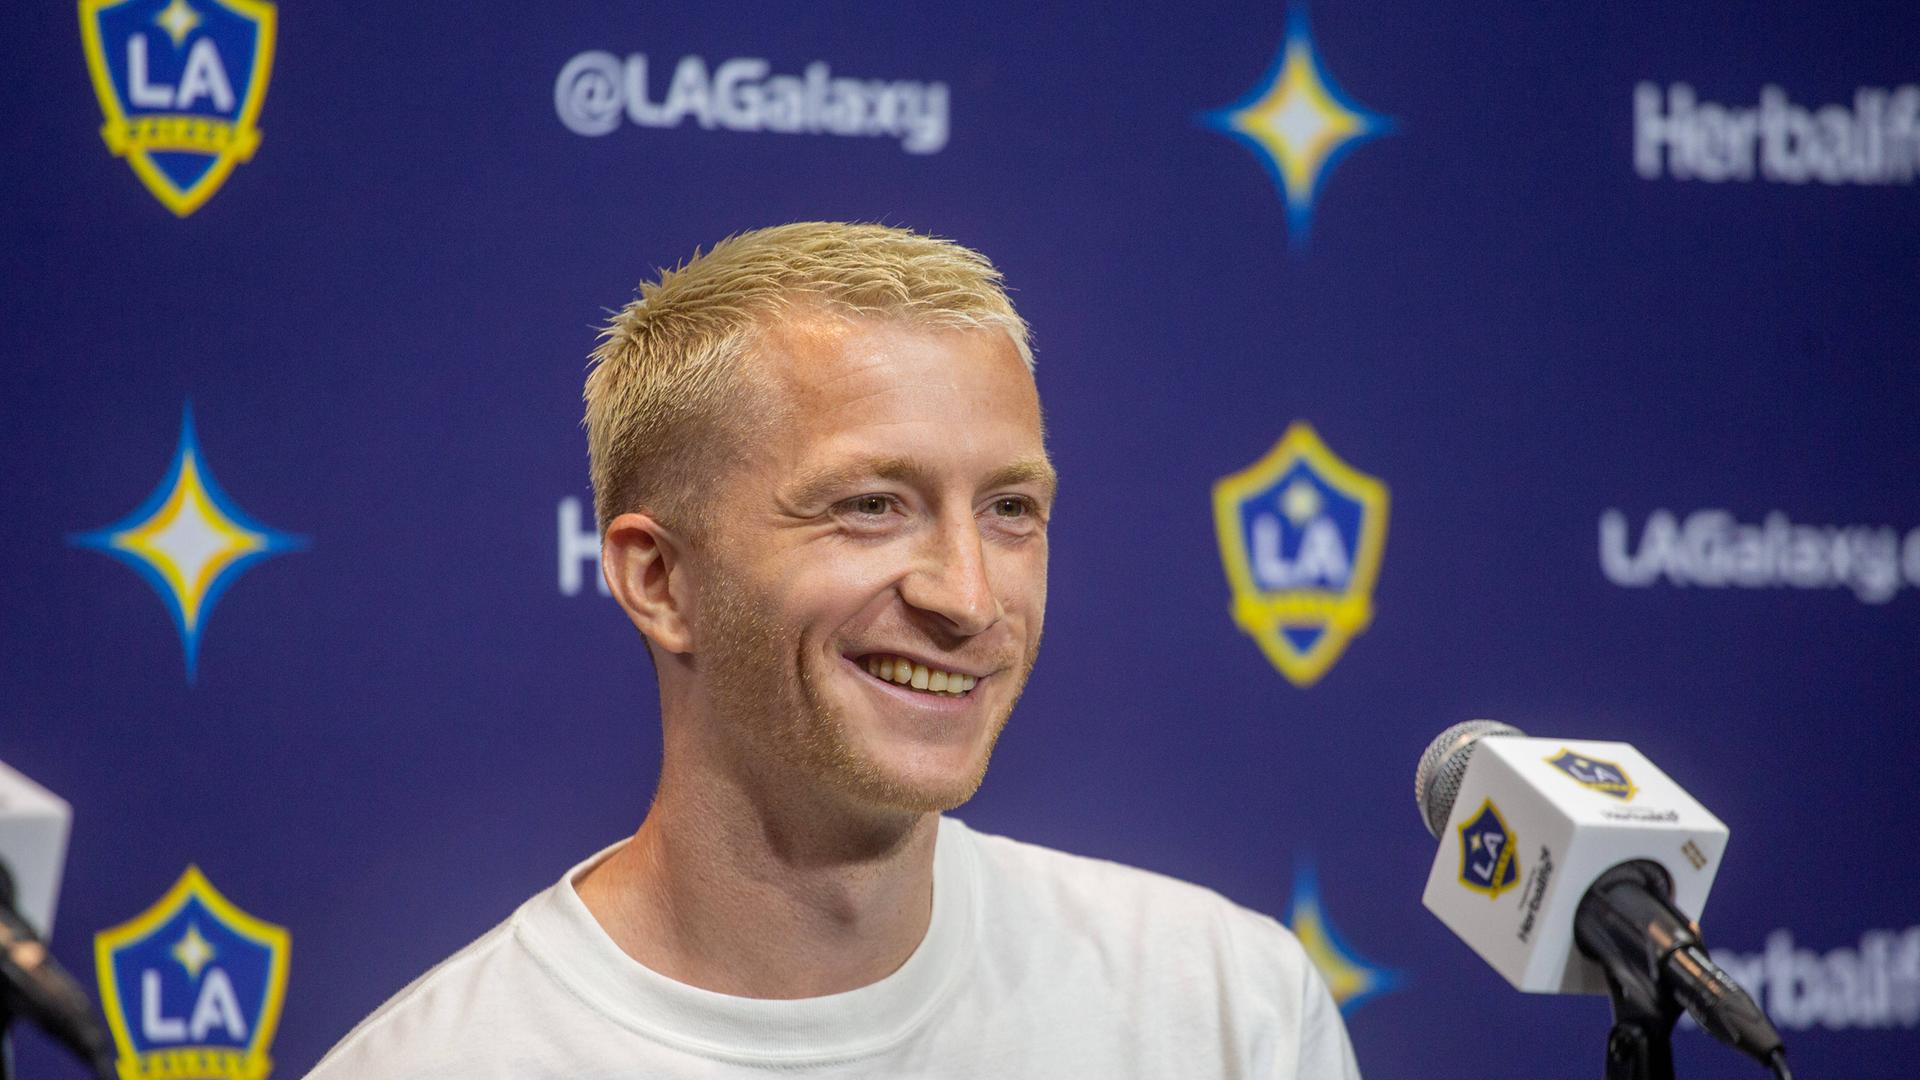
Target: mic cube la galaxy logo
[
  {"x": 1301, "y": 533},
  {"x": 1595, "y": 774},
  {"x": 181, "y": 84},
  {"x": 192, "y": 986},
  {"x": 1488, "y": 862}
]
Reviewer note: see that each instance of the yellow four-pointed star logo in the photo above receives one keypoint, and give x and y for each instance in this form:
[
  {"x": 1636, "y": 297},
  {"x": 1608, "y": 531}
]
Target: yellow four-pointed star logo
[
  {"x": 1349, "y": 978},
  {"x": 189, "y": 541},
  {"x": 1299, "y": 123}
]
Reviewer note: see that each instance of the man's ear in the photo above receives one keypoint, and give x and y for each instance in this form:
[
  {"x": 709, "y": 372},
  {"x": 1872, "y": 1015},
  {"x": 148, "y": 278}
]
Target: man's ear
[{"x": 644, "y": 566}]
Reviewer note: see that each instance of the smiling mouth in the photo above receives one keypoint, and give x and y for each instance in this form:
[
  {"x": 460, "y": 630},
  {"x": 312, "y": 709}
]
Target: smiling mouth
[{"x": 904, "y": 672}]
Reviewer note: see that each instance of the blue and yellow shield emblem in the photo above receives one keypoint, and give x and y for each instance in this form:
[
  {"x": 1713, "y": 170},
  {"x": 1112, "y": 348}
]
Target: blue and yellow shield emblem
[
  {"x": 1488, "y": 862},
  {"x": 192, "y": 987},
  {"x": 1301, "y": 533},
  {"x": 181, "y": 83},
  {"x": 1605, "y": 777}
]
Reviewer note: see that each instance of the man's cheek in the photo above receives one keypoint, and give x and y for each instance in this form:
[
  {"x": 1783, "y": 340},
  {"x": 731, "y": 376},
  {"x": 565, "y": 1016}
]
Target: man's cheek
[
  {"x": 1026, "y": 579},
  {"x": 857, "y": 581}
]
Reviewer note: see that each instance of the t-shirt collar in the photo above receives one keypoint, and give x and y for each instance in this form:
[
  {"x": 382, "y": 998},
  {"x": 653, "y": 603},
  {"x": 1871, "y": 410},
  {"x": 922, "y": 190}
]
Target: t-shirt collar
[{"x": 565, "y": 937}]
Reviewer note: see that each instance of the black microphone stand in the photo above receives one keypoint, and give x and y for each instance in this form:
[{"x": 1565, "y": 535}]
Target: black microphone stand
[
  {"x": 1640, "y": 1043},
  {"x": 1611, "y": 930}
]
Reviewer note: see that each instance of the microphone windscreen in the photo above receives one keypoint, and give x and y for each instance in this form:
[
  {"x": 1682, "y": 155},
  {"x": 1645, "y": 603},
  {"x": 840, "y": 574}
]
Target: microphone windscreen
[{"x": 1436, "y": 783}]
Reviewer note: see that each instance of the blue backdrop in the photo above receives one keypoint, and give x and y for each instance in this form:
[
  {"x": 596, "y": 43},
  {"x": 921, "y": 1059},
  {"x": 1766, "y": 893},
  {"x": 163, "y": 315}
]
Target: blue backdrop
[{"x": 1614, "y": 302}]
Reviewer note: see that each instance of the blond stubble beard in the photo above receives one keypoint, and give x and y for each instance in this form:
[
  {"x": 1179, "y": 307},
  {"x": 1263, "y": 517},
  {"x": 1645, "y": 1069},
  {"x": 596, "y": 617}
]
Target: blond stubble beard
[{"x": 739, "y": 642}]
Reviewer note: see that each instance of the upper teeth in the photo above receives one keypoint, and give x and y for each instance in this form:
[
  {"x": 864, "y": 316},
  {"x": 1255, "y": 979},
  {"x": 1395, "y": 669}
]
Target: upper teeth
[{"x": 901, "y": 670}]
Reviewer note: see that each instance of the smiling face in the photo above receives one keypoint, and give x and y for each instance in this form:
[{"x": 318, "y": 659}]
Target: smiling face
[{"x": 872, "y": 595}]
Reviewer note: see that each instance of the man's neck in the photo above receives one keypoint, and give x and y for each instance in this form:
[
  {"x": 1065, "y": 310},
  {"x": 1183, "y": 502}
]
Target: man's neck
[{"x": 727, "y": 890}]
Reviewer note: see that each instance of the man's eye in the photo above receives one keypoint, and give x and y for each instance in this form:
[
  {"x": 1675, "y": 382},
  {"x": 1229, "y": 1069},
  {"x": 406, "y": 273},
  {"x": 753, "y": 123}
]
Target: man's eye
[
  {"x": 1013, "y": 506},
  {"x": 869, "y": 505}
]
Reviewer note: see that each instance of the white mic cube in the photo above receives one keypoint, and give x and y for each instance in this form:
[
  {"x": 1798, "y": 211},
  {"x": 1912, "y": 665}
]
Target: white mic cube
[
  {"x": 33, "y": 845},
  {"x": 1535, "y": 823}
]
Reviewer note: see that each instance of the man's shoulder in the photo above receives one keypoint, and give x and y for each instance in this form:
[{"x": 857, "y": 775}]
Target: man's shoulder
[
  {"x": 428, "y": 1014},
  {"x": 1094, "y": 894},
  {"x": 1206, "y": 963}
]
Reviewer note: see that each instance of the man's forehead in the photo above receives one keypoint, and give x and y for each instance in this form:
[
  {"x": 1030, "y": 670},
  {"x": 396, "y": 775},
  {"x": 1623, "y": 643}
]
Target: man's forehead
[
  {"x": 803, "y": 329},
  {"x": 806, "y": 347},
  {"x": 862, "y": 398}
]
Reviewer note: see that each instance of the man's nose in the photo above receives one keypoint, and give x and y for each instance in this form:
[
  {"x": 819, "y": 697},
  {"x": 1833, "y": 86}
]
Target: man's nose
[{"x": 951, "y": 581}]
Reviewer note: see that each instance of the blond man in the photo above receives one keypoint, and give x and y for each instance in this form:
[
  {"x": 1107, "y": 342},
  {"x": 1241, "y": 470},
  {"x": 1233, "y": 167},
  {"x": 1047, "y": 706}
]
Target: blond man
[{"x": 823, "y": 496}]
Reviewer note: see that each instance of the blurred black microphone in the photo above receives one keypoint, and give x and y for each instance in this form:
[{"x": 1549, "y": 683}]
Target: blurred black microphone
[
  {"x": 34, "y": 987},
  {"x": 33, "y": 845}
]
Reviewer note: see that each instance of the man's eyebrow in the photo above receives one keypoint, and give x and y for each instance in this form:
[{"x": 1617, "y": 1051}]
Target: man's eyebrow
[
  {"x": 1035, "y": 470},
  {"x": 817, "y": 486}
]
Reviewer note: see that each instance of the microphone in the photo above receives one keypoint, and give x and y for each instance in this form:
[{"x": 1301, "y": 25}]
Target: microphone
[
  {"x": 1575, "y": 866},
  {"x": 33, "y": 837}
]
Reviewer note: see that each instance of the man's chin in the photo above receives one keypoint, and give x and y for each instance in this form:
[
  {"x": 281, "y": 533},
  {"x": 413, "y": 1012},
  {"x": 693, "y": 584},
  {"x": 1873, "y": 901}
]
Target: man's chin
[
  {"x": 920, "y": 790},
  {"x": 902, "y": 764}
]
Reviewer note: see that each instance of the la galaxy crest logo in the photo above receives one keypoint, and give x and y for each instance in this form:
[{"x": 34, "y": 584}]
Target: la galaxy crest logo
[
  {"x": 192, "y": 987},
  {"x": 189, "y": 541},
  {"x": 1298, "y": 123},
  {"x": 181, "y": 83},
  {"x": 1488, "y": 863},
  {"x": 1301, "y": 533},
  {"x": 1605, "y": 777}
]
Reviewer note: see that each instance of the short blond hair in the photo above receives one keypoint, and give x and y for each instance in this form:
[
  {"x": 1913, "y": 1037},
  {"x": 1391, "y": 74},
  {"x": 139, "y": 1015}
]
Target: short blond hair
[{"x": 665, "y": 397}]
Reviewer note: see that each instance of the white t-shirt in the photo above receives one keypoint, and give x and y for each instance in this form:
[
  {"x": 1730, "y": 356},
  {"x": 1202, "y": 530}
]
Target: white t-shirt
[{"x": 1035, "y": 964}]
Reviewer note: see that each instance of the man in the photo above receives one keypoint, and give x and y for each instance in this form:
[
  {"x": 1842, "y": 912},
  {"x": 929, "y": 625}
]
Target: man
[{"x": 823, "y": 494}]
